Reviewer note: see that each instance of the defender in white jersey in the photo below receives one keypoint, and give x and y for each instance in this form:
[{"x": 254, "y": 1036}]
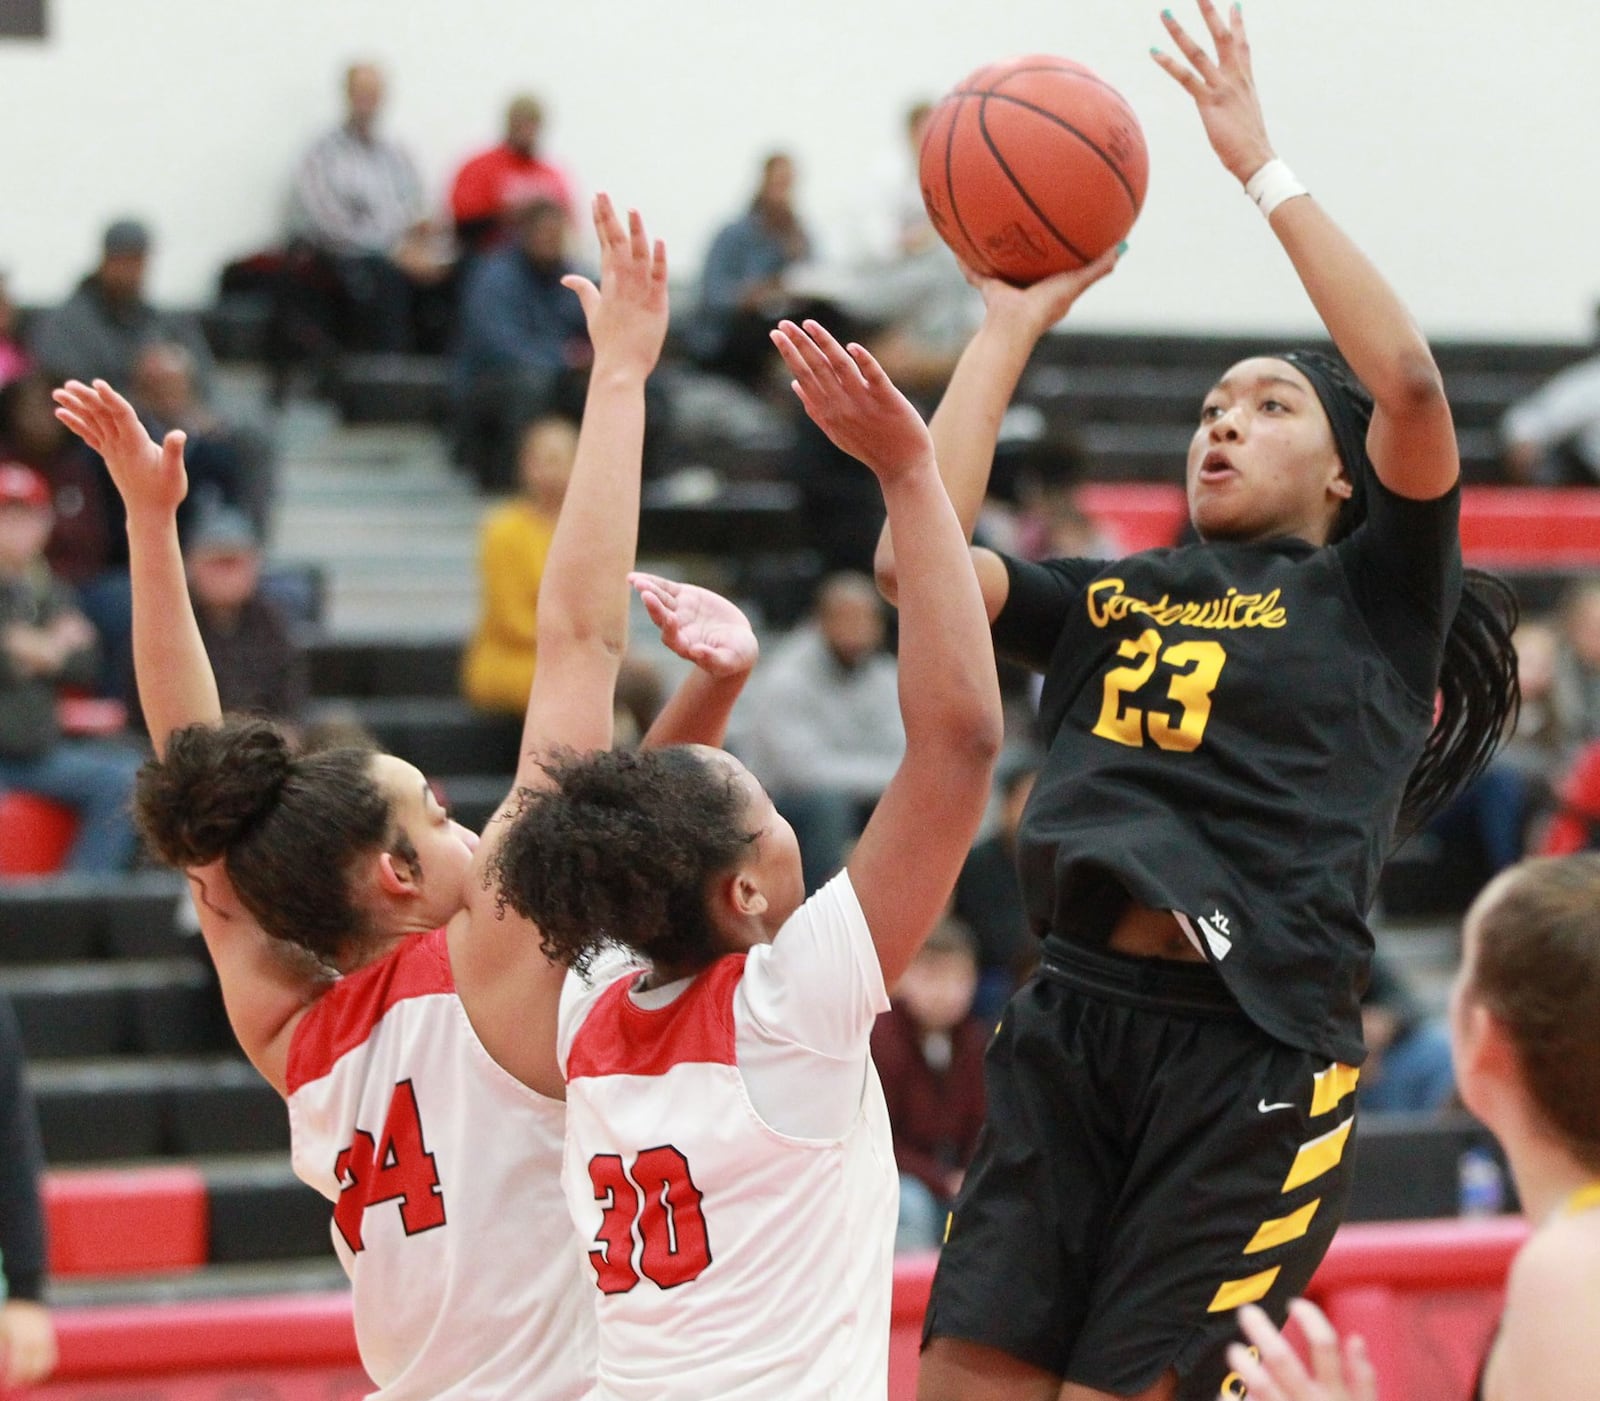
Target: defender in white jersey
[
  {"x": 368, "y": 971},
  {"x": 728, "y": 1159}
]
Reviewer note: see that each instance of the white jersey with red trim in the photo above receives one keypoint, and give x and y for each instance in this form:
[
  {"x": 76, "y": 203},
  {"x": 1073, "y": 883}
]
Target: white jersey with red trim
[
  {"x": 444, "y": 1174},
  {"x": 730, "y": 1167}
]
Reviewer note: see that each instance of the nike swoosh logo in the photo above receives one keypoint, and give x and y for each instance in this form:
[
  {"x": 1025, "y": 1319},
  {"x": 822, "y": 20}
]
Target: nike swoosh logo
[{"x": 1265, "y": 1108}]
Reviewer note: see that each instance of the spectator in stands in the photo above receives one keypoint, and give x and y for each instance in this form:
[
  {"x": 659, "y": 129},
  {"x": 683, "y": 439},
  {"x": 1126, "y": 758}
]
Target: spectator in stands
[
  {"x": 1490, "y": 822},
  {"x": 359, "y": 201},
  {"x": 1552, "y": 437},
  {"x": 928, "y": 1048},
  {"x": 491, "y": 186},
  {"x": 823, "y": 730},
  {"x": 742, "y": 284},
  {"x": 15, "y": 361},
  {"x": 523, "y": 348},
  {"x": 1407, "y": 1069},
  {"x": 1577, "y": 680},
  {"x": 514, "y": 540},
  {"x": 45, "y": 644},
  {"x": 988, "y": 896},
  {"x": 909, "y": 282},
  {"x": 228, "y": 464},
  {"x": 98, "y": 331},
  {"x": 27, "y": 1334},
  {"x": 260, "y": 668}
]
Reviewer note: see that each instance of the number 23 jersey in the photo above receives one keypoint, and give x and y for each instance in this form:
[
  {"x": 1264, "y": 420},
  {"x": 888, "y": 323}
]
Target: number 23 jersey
[
  {"x": 444, "y": 1171},
  {"x": 1231, "y": 728}
]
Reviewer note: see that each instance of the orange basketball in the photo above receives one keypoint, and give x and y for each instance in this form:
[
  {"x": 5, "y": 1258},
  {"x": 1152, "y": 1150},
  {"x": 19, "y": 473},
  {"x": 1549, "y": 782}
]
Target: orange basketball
[{"x": 1033, "y": 166}]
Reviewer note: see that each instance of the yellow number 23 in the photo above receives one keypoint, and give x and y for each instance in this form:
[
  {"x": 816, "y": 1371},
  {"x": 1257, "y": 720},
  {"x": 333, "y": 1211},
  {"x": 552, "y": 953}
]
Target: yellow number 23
[{"x": 1195, "y": 668}]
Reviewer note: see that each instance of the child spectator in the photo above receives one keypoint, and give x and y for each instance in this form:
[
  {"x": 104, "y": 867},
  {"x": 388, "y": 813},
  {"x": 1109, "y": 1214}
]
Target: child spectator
[
  {"x": 513, "y": 542},
  {"x": 928, "y": 1048},
  {"x": 1408, "y": 1068},
  {"x": 46, "y": 643}
]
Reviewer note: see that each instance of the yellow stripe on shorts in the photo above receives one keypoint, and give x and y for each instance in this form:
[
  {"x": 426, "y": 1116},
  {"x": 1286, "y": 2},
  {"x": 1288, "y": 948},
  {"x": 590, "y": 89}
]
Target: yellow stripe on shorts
[
  {"x": 1332, "y": 1086},
  {"x": 1318, "y": 1156},
  {"x": 1284, "y": 1229},
  {"x": 1243, "y": 1291}
]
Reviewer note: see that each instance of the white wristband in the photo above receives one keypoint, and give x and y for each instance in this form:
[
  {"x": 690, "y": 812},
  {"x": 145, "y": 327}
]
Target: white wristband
[{"x": 1273, "y": 184}]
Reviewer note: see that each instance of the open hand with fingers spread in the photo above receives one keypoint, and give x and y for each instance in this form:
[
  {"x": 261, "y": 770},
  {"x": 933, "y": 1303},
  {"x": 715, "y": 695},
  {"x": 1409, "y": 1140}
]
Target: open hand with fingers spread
[
  {"x": 150, "y": 478},
  {"x": 1223, "y": 88},
  {"x": 700, "y": 626},
  {"x": 1271, "y": 1371},
  {"x": 852, "y": 400},
  {"x": 627, "y": 312}
]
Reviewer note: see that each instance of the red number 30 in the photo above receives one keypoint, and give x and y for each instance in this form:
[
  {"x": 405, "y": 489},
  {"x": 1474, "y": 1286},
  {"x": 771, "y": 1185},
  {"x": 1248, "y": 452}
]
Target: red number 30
[{"x": 661, "y": 1198}]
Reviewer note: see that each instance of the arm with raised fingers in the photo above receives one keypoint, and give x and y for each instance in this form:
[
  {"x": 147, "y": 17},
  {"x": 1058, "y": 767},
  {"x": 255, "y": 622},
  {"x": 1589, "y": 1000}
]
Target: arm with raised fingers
[
  {"x": 905, "y": 864},
  {"x": 175, "y": 680},
  {"x": 510, "y": 989},
  {"x": 1412, "y": 440}
]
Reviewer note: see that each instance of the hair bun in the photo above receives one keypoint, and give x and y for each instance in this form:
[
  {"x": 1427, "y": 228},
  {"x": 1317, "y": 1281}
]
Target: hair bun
[{"x": 212, "y": 787}]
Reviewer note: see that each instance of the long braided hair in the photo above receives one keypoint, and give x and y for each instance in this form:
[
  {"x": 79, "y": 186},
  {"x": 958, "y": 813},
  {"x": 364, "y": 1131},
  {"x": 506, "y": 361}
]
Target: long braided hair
[{"x": 1478, "y": 693}]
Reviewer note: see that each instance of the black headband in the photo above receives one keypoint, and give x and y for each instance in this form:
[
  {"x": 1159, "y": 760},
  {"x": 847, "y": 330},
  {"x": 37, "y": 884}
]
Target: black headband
[{"x": 1349, "y": 414}]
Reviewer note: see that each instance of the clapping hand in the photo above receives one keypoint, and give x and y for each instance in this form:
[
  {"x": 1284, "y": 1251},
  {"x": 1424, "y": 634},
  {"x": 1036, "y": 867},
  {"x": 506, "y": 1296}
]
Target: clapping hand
[{"x": 700, "y": 626}]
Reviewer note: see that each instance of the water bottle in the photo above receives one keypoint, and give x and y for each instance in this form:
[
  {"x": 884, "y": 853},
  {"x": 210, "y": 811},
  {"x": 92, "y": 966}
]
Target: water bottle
[{"x": 1482, "y": 1183}]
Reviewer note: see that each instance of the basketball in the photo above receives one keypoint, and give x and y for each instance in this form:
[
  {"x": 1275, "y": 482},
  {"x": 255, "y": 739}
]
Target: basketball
[{"x": 1033, "y": 166}]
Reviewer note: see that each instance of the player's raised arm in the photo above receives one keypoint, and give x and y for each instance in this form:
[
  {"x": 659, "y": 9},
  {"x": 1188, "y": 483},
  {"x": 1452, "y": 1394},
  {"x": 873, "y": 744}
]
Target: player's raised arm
[
  {"x": 1412, "y": 439},
  {"x": 509, "y": 988},
  {"x": 264, "y": 990},
  {"x": 906, "y": 862},
  {"x": 176, "y": 684}
]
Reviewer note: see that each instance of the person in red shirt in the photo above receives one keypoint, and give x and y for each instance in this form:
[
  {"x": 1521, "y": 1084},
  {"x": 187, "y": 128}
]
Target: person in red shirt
[
  {"x": 493, "y": 183},
  {"x": 928, "y": 1048}
]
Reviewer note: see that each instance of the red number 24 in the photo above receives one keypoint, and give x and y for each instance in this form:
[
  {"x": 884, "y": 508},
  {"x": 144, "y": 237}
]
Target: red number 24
[{"x": 397, "y": 1167}]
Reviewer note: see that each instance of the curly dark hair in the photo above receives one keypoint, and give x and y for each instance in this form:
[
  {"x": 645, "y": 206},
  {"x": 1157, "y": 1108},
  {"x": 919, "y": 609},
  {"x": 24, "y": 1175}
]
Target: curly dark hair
[
  {"x": 620, "y": 851},
  {"x": 1478, "y": 692},
  {"x": 290, "y": 826}
]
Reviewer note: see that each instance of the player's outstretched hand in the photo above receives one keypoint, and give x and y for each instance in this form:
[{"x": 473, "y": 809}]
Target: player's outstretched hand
[
  {"x": 1223, "y": 88},
  {"x": 27, "y": 1343},
  {"x": 1273, "y": 1372},
  {"x": 853, "y": 401},
  {"x": 1034, "y": 310},
  {"x": 627, "y": 312},
  {"x": 150, "y": 478},
  {"x": 700, "y": 626}
]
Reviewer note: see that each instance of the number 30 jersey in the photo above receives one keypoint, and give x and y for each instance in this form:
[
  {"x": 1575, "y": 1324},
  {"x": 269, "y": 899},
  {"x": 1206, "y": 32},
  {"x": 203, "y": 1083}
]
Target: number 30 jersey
[
  {"x": 730, "y": 1168},
  {"x": 1231, "y": 729},
  {"x": 444, "y": 1172}
]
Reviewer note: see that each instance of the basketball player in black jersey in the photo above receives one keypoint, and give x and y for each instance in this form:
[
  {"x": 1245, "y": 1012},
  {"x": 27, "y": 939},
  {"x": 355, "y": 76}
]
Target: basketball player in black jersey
[{"x": 1237, "y": 728}]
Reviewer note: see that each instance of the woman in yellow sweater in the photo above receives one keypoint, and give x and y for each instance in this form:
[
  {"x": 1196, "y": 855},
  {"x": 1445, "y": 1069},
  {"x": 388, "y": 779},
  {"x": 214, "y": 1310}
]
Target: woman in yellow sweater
[{"x": 497, "y": 669}]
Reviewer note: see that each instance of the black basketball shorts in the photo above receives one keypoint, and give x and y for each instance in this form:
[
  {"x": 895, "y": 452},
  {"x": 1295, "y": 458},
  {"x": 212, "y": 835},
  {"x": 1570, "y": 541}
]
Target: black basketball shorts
[{"x": 1150, "y": 1162}]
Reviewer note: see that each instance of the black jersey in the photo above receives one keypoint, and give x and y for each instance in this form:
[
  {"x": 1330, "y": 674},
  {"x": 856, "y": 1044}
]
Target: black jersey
[{"x": 1231, "y": 729}]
